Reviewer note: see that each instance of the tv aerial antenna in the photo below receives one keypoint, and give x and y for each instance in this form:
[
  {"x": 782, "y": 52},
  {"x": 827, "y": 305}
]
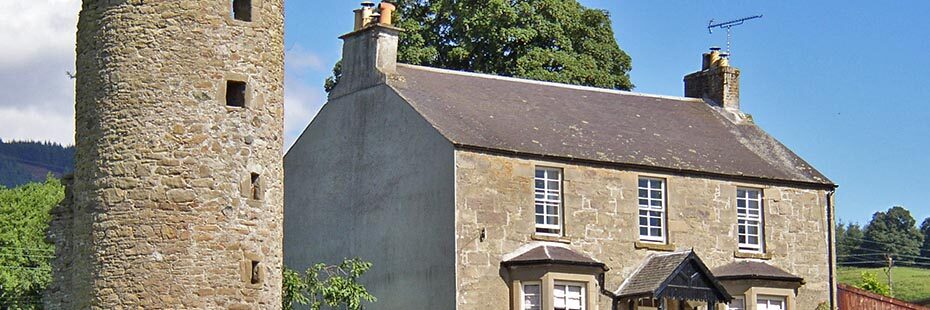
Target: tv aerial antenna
[{"x": 728, "y": 26}]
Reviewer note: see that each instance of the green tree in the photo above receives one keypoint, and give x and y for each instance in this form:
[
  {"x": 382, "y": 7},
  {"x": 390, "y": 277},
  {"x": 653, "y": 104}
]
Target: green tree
[
  {"x": 334, "y": 286},
  {"x": 848, "y": 242},
  {"x": 331, "y": 81},
  {"x": 25, "y": 256},
  {"x": 893, "y": 232},
  {"x": 13, "y": 173},
  {"x": 549, "y": 40},
  {"x": 869, "y": 282},
  {"x": 925, "y": 230}
]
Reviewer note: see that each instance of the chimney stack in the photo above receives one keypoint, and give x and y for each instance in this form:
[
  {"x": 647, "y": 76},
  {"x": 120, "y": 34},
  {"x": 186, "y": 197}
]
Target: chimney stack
[
  {"x": 717, "y": 81},
  {"x": 369, "y": 52}
]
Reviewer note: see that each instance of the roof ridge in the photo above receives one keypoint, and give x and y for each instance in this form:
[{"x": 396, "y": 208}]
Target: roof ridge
[
  {"x": 673, "y": 253},
  {"x": 552, "y": 84},
  {"x": 523, "y": 249}
]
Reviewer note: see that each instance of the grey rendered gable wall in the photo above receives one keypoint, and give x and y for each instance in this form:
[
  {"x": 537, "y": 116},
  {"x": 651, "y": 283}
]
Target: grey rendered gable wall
[{"x": 370, "y": 178}]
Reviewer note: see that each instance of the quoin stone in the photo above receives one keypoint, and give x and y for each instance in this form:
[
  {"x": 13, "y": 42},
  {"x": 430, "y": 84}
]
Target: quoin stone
[{"x": 177, "y": 196}]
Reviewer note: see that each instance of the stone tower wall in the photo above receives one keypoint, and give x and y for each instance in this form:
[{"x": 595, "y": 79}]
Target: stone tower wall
[{"x": 162, "y": 211}]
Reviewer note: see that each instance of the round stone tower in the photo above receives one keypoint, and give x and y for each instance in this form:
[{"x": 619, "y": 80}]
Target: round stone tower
[{"x": 177, "y": 197}]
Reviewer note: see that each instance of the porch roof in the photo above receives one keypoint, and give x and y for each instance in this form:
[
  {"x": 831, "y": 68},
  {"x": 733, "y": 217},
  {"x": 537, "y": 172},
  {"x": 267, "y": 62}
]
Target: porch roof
[{"x": 680, "y": 276}]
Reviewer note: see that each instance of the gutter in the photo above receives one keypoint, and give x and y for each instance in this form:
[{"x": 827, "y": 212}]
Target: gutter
[
  {"x": 831, "y": 246},
  {"x": 601, "y": 279},
  {"x": 646, "y": 168},
  {"x": 762, "y": 277},
  {"x": 549, "y": 262}
]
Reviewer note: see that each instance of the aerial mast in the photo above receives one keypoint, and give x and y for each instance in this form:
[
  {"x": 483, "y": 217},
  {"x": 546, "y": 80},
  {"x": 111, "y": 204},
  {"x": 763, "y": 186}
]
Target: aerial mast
[{"x": 728, "y": 26}]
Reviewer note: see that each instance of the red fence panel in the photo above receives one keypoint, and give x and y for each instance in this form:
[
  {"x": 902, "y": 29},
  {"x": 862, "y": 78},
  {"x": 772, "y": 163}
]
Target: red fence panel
[{"x": 852, "y": 298}]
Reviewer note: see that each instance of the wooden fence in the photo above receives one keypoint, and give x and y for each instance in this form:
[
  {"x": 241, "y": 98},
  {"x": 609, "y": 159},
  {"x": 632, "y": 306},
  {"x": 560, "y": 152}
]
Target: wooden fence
[{"x": 852, "y": 298}]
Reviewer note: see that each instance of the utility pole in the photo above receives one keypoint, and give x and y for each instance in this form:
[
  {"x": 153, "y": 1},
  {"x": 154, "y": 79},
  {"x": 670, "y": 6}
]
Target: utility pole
[{"x": 890, "y": 260}]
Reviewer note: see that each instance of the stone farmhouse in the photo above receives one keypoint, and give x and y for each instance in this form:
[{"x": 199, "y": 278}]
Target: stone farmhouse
[{"x": 473, "y": 191}]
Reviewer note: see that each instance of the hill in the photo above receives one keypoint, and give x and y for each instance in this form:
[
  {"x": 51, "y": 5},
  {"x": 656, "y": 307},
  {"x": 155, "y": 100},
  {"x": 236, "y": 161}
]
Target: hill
[
  {"x": 22, "y": 162},
  {"x": 910, "y": 284}
]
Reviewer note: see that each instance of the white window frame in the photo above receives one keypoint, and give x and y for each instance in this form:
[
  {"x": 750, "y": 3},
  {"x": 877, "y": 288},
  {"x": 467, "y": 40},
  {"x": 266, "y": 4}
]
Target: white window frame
[
  {"x": 548, "y": 201},
  {"x": 741, "y": 299},
  {"x": 539, "y": 296},
  {"x": 648, "y": 211},
  {"x": 749, "y": 217},
  {"x": 768, "y": 299},
  {"x": 582, "y": 298}
]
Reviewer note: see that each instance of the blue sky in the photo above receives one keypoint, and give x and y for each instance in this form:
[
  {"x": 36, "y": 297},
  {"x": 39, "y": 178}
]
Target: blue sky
[{"x": 843, "y": 83}]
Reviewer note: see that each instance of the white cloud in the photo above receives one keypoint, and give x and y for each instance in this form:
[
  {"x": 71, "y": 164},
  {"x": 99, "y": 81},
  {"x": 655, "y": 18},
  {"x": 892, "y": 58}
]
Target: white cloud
[
  {"x": 299, "y": 59},
  {"x": 32, "y": 28},
  {"x": 36, "y": 124},
  {"x": 302, "y": 98},
  {"x": 301, "y": 103},
  {"x": 36, "y": 98}
]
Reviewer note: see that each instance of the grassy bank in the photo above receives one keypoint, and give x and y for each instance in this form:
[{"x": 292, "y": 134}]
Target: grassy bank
[{"x": 910, "y": 284}]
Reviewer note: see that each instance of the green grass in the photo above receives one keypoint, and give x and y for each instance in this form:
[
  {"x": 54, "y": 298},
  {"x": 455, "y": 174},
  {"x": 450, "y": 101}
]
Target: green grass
[{"x": 910, "y": 284}]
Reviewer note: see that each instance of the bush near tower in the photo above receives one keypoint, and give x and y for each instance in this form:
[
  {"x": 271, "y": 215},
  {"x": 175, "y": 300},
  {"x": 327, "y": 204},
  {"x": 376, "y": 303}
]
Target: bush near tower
[{"x": 25, "y": 271}]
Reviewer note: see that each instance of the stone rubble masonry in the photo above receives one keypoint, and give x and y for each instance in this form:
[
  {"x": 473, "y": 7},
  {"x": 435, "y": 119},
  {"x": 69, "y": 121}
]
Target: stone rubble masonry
[
  {"x": 160, "y": 212},
  {"x": 718, "y": 84},
  {"x": 496, "y": 193}
]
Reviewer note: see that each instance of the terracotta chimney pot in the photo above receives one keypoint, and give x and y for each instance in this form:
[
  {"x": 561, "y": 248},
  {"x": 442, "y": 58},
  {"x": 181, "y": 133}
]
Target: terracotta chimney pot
[
  {"x": 714, "y": 56},
  {"x": 724, "y": 60},
  {"x": 387, "y": 13}
]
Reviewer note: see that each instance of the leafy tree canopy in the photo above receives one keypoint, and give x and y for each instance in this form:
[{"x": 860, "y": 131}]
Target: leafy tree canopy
[
  {"x": 333, "y": 286},
  {"x": 24, "y": 254},
  {"x": 550, "y": 40},
  {"x": 925, "y": 230},
  {"x": 893, "y": 232}
]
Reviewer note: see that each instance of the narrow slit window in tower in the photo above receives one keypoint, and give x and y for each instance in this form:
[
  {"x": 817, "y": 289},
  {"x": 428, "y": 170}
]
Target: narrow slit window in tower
[
  {"x": 256, "y": 186},
  {"x": 256, "y": 275},
  {"x": 242, "y": 10},
  {"x": 235, "y": 93}
]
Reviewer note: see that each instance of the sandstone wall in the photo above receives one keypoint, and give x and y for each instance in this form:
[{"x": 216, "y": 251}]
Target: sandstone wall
[
  {"x": 161, "y": 213},
  {"x": 496, "y": 193}
]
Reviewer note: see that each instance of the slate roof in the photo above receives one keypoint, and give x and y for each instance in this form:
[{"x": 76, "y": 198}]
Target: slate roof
[
  {"x": 547, "y": 254},
  {"x": 658, "y": 271},
  {"x": 597, "y": 125},
  {"x": 754, "y": 270},
  {"x": 650, "y": 275}
]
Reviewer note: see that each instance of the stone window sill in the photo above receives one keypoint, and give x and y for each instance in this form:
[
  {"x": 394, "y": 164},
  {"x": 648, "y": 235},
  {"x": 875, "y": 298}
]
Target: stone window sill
[
  {"x": 763, "y": 256},
  {"x": 559, "y": 239},
  {"x": 663, "y": 247}
]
